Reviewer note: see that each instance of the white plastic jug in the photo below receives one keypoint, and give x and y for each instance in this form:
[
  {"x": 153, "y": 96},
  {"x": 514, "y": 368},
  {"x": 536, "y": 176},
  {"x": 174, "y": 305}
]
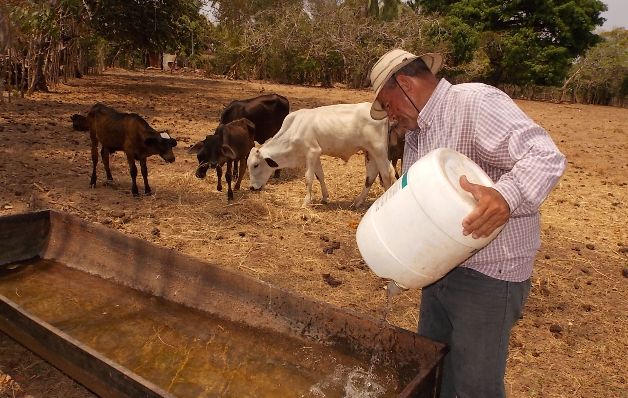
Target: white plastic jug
[{"x": 412, "y": 234}]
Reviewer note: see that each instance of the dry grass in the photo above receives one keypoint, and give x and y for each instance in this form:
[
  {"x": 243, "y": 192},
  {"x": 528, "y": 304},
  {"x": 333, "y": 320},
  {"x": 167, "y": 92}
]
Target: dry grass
[{"x": 270, "y": 236}]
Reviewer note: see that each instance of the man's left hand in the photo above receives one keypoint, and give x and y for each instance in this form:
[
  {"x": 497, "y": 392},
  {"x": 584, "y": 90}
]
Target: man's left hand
[{"x": 491, "y": 212}]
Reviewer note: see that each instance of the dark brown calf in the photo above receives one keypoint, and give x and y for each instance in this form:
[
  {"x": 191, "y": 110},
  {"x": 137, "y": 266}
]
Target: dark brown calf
[
  {"x": 266, "y": 112},
  {"x": 126, "y": 132},
  {"x": 396, "y": 142},
  {"x": 231, "y": 143}
]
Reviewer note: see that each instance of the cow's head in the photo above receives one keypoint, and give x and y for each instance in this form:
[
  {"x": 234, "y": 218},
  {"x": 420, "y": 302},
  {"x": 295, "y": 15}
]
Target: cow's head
[
  {"x": 209, "y": 154},
  {"x": 161, "y": 144},
  {"x": 260, "y": 169},
  {"x": 79, "y": 122}
]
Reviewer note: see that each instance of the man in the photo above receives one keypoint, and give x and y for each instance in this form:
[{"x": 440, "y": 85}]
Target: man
[{"x": 473, "y": 308}]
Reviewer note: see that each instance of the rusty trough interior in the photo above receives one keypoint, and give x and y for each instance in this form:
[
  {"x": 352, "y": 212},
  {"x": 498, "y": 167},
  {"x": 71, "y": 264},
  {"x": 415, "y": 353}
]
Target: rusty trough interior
[{"x": 41, "y": 246}]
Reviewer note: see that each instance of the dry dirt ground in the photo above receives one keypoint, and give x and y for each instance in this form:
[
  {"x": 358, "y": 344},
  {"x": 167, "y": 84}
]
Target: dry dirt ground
[{"x": 571, "y": 342}]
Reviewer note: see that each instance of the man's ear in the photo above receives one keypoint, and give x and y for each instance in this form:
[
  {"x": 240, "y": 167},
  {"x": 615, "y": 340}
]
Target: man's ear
[{"x": 404, "y": 81}]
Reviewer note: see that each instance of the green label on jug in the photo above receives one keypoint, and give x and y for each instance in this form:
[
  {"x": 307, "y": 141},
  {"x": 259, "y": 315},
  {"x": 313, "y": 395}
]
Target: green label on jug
[{"x": 404, "y": 180}]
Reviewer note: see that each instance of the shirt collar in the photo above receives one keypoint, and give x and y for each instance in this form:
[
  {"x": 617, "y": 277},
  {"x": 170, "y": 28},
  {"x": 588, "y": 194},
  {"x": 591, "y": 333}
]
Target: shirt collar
[{"x": 426, "y": 115}]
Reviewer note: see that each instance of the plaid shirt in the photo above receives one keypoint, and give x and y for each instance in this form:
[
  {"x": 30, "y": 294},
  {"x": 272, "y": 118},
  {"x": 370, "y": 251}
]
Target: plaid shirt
[{"x": 483, "y": 123}]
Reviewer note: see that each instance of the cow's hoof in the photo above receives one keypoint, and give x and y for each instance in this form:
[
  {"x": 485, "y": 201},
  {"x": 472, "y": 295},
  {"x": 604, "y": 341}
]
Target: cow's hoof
[
  {"x": 219, "y": 189},
  {"x": 149, "y": 193},
  {"x": 356, "y": 205},
  {"x": 325, "y": 201}
]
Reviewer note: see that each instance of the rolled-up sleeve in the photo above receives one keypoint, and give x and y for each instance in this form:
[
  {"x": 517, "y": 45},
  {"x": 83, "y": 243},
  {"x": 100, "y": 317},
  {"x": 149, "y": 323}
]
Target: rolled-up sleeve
[{"x": 508, "y": 139}]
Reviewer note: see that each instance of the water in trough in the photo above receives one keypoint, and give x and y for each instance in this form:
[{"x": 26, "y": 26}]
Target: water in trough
[{"x": 188, "y": 352}]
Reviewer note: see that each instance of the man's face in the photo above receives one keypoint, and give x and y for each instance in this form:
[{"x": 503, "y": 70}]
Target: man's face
[{"x": 398, "y": 107}]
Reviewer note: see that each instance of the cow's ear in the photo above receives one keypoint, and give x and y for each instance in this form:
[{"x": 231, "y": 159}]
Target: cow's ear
[
  {"x": 251, "y": 126},
  {"x": 228, "y": 152},
  {"x": 173, "y": 142},
  {"x": 271, "y": 162},
  {"x": 196, "y": 147},
  {"x": 219, "y": 130}
]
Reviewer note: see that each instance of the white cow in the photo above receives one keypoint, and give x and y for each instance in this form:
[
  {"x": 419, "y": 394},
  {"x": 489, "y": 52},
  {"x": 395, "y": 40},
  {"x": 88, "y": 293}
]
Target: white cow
[{"x": 334, "y": 130}]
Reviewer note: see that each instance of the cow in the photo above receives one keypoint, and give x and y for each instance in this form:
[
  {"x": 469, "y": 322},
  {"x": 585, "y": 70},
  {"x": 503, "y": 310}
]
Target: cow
[
  {"x": 267, "y": 112},
  {"x": 396, "y": 142},
  {"x": 127, "y": 132},
  {"x": 334, "y": 130},
  {"x": 231, "y": 143}
]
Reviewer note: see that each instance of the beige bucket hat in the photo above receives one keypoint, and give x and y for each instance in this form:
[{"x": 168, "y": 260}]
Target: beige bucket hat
[{"x": 390, "y": 63}]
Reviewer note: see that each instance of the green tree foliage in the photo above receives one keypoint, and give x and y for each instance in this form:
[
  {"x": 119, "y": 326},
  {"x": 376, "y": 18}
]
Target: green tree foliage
[
  {"x": 515, "y": 43},
  {"x": 234, "y": 14},
  {"x": 525, "y": 41},
  {"x": 325, "y": 43},
  {"x": 462, "y": 39},
  {"x": 46, "y": 38},
  {"x": 601, "y": 75},
  {"x": 146, "y": 25}
]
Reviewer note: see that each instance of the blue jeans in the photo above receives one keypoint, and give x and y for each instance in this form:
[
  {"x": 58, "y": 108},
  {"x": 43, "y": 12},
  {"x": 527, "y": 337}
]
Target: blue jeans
[{"x": 473, "y": 314}]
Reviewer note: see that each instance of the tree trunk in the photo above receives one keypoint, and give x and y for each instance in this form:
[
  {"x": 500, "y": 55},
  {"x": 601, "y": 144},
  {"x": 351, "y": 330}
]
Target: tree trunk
[
  {"x": 39, "y": 80},
  {"x": 9, "y": 74},
  {"x": 3, "y": 74},
  {"x": 49, "y": 65},
  {"x": 374, "y": 8},
  {"x": 23, "y": 79}
]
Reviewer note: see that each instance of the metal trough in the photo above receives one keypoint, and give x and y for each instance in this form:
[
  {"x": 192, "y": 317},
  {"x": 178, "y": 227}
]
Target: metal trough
[{"x": 112, "y": 257}]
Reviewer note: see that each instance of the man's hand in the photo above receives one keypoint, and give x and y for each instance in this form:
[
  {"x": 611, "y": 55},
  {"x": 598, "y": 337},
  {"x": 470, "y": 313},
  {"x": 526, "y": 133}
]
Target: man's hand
[{"x": 491, "y": 212}]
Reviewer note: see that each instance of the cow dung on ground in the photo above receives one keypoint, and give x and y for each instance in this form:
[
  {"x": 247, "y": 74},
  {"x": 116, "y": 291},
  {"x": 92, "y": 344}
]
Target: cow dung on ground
[{"x": 282, "y": 243}]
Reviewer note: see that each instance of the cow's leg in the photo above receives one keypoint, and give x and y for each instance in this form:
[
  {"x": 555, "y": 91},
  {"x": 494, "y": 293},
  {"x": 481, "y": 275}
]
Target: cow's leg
[
  {"x": 240, "y": 174},
  {"x": 321, "y": 179},
  {"x": 144, "y": 169},
  {"x": 235, "y": 169},
  {"x": 312, "y": 158},
  {"x": 383, "y": 164},
  {"x": 104, "y": 154},
  {"x": 371, "y": 175},
  {"x": 133, "y": 170},
  {"x": 228, "y": 178},
  {"x": 219, "y": 176},
  {"x": 394, "y": 164},
  {"x": 92, "y": 182},
  {"x": 385, "y": 169}
]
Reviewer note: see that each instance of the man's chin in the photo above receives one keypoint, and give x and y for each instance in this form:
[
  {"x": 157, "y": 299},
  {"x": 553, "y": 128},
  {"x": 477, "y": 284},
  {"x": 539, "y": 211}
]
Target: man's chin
[{"x": 407, "y": 126}]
